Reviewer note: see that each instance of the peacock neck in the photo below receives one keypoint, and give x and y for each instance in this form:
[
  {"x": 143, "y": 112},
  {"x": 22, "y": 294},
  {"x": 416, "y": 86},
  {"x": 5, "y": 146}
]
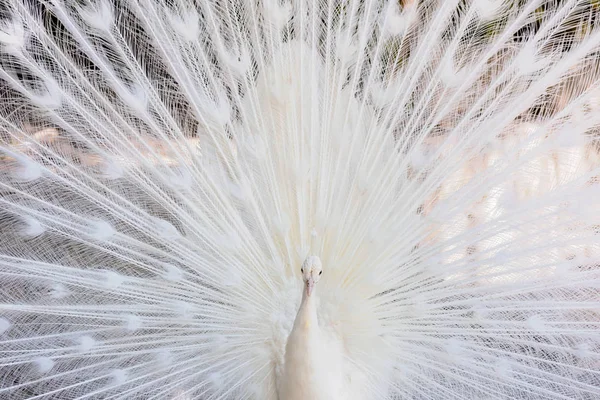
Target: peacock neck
[
  {"x": 307, "y": 313},
  {"x": 303, "y": 375}
]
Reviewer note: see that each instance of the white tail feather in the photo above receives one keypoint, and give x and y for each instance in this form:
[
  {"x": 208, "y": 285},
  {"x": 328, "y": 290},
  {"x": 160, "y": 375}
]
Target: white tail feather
[{"x": 165, "y": 168}]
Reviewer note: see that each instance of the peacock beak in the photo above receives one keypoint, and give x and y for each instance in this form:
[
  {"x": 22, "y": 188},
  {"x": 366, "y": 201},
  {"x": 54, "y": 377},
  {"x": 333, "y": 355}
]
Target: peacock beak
[{"x": 310, "y": 284}]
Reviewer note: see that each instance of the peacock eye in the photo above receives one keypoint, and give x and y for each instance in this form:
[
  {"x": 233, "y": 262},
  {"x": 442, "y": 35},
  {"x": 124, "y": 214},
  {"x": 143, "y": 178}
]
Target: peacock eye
[
  {"x": 302, "y": 270},
  {"x": 320, "y": 272}
]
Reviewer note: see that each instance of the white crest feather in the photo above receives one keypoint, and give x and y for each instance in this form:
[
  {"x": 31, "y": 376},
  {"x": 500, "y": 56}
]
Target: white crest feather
[
  {"x": 86, "y": 343},
  {"x": 44, "y": 364},
  {"x": 33, "y": 227},
  {"x": 13, "y": 36},
  {"x": 185, "y": 23},
  {"x": 488, "y": 9},
  {"x": 4, "y": 325},
  {"x": 98, "y": 14},
  {"x": 100, "y": 230}
]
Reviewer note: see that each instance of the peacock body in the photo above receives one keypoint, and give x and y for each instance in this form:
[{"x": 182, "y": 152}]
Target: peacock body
[{"x": 169, "y": 168}]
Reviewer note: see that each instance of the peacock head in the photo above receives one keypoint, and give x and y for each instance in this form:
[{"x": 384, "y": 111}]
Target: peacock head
[{"x": 312, "y": 269}]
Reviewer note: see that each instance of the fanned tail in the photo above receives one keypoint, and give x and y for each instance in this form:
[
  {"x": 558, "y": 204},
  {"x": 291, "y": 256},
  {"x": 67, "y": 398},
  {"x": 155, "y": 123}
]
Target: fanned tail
[{"x": 165, "y": 168}]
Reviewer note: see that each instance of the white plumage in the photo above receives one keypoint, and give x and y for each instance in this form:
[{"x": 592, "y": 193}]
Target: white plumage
[
  {"x": 312, "y": 368},
  {"x": 168, "y": 167}
]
